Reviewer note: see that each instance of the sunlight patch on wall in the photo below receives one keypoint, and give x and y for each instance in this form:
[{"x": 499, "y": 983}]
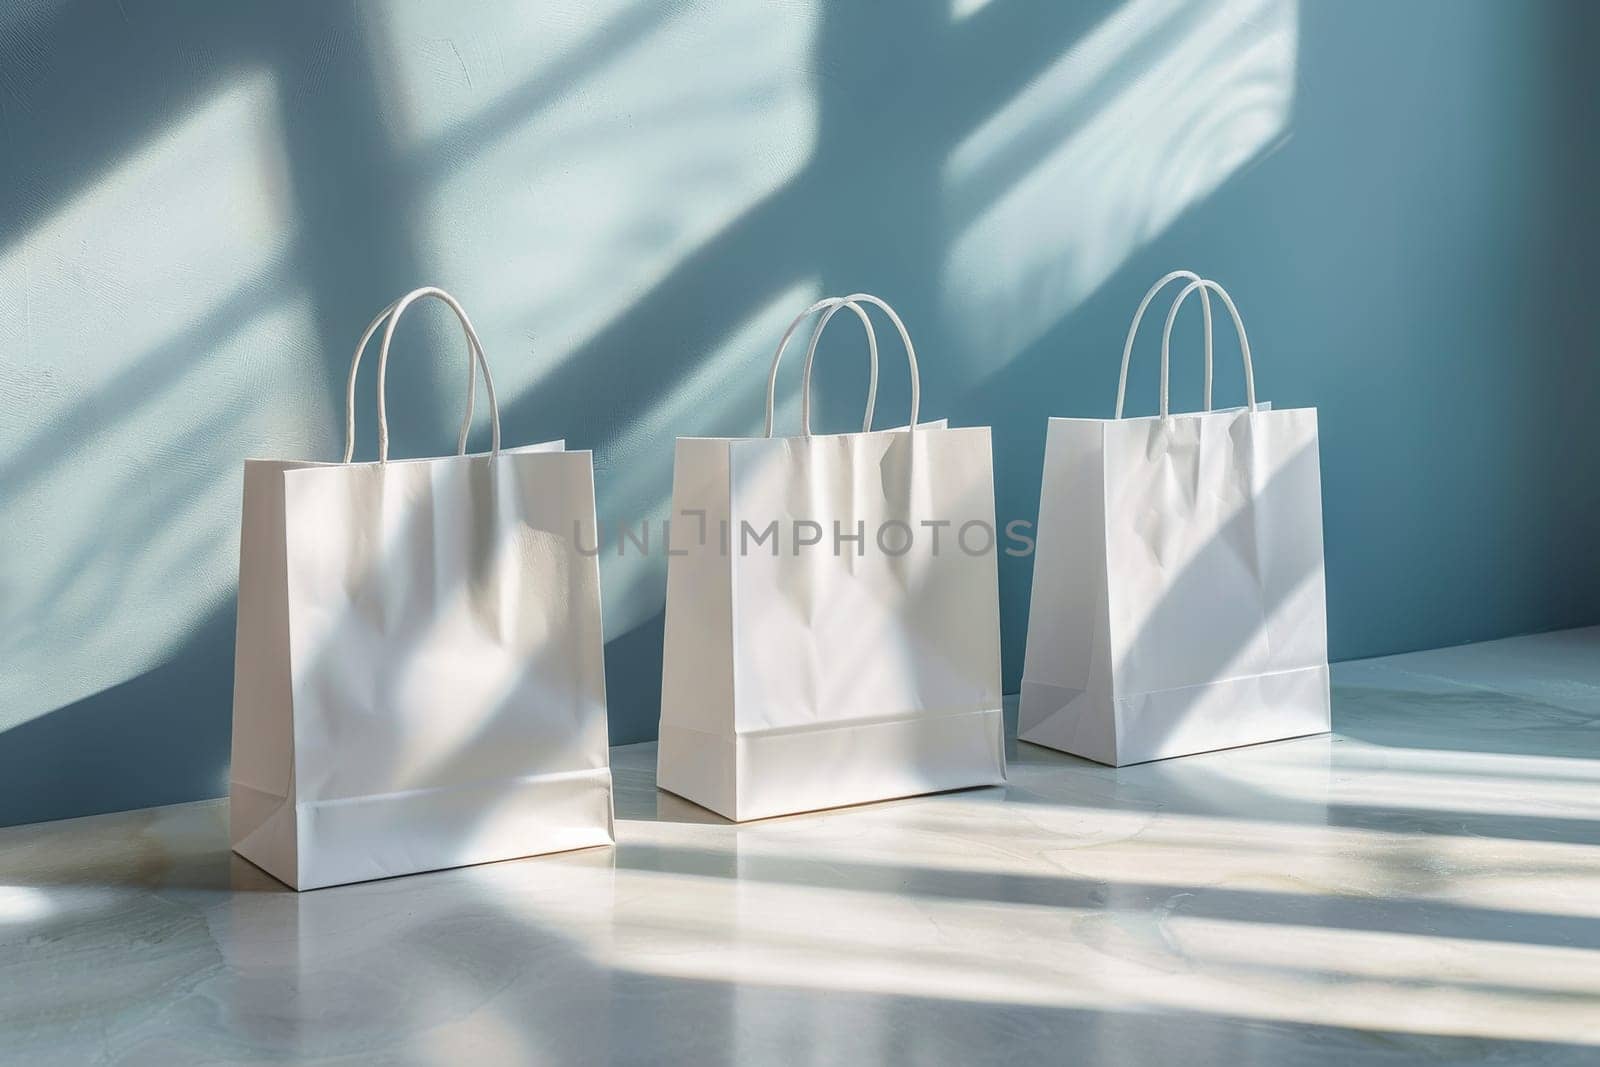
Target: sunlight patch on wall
[
  {"x": 439, "y": 69},
  {"x": 135, "y": 384},
  {"x": 961, "y": 9},
  {"x": 568, "y": 173},
  {"x": 1099, "y": 155}
]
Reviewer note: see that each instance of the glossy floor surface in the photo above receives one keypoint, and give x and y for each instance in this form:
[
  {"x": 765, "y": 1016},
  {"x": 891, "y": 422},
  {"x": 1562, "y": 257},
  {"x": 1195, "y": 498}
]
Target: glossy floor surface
[{"x": 1422, "y": 886}]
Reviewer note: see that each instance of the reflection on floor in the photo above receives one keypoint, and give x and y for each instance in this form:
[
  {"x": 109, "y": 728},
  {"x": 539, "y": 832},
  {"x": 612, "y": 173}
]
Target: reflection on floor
[{"x": 1424, "y": 885}]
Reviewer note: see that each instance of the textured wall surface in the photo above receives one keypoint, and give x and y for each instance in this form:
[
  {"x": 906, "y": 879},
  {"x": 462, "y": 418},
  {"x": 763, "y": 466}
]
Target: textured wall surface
[{"x": 201, "y": 204}]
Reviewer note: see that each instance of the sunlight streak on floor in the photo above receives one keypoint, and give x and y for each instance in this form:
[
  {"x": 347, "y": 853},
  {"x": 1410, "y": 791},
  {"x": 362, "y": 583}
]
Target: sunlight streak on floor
[
  {"x": 23, "y": 904},
  {"x": 1169, "y": 912}
]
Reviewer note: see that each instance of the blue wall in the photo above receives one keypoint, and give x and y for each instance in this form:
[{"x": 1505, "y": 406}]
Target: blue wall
[{"x": 203, "y": 203}]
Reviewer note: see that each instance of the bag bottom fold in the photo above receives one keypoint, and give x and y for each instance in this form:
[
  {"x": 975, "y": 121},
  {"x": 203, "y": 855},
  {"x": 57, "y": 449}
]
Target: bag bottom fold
[
  {"x": 316, "y": 843},
  {"x": 759, "y": 775},
  {"x": 1141, "y": 727}
]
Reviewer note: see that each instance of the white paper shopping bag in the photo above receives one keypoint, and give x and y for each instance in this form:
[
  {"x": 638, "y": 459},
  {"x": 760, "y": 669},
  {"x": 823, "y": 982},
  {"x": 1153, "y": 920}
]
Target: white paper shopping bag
[
  {"x": 832, "y": 626},
  {"x": 1178, "y": 598},
  {"x": 419, "y": 677}
]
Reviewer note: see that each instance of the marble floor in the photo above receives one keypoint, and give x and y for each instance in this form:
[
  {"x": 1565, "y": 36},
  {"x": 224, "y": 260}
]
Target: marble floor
[{"x": 1423, "y": 886}]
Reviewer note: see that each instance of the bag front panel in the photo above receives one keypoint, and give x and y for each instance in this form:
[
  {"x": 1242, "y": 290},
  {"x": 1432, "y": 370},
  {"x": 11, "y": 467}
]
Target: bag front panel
[
  {"x": 1197, "y": 579},
  {"x": 1185, "y": 605},
  {"x": 444, "y": 625},
  {"x": 890, "y": 626}
]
